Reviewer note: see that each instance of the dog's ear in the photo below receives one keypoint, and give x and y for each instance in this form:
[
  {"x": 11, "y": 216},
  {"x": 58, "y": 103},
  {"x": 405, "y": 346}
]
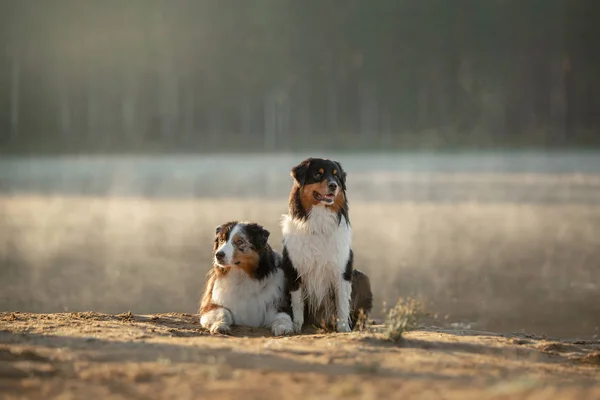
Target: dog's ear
[
  {"x": 257, "y": 235},
  {"x": 218, "y": 229},
  {"x": 300, "y": 170},
  {"x": 341, "y": 174}
]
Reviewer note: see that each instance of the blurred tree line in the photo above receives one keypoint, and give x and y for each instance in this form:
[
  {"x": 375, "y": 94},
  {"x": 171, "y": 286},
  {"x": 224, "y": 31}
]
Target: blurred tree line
[{"x": 218, "y": 75}]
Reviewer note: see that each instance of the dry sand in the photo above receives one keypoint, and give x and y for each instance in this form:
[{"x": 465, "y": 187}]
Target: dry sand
[{"x": 168, "y": 356}]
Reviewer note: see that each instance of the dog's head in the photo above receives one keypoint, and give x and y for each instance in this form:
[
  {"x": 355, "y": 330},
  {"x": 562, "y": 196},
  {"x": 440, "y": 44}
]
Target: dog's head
[
  {"x": 321, "y": 182},
  {"x": 239, "y": 245}
]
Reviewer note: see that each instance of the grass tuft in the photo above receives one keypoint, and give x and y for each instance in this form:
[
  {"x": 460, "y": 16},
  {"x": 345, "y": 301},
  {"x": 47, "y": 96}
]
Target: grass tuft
[{"x": 403, "y": 317}]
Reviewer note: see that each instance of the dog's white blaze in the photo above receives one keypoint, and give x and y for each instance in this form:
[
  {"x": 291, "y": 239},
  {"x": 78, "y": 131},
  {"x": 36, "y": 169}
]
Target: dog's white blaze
[
  {"x": 228, "y": 247},
  {"x": 319, "y": 249},
  {"x": 252, "y": 302}
]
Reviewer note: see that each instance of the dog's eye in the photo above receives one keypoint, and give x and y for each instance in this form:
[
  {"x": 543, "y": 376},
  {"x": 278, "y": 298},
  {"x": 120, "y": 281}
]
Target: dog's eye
[
  {"x": 317, "y": 175},
  {"x": 239, "y": 242}
]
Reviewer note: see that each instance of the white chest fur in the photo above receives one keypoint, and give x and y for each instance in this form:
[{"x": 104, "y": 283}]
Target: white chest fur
[
  {"x": 252, "y": 303},
  {"x": 319, "y": 249}
]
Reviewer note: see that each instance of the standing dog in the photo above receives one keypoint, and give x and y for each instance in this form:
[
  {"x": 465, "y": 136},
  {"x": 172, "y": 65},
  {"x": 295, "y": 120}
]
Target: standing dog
[
  {"x": 317, "y": 254},
  {"x": 246, "y": 286}
]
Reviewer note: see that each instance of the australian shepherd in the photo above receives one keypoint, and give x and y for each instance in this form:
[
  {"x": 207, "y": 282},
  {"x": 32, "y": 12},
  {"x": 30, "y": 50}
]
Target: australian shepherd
[
  {"x": 317, "y": 255},
  {"x": 246, "y": 285}
]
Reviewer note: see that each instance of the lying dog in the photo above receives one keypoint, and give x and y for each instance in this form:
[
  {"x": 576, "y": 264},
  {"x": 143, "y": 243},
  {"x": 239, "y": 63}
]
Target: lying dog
[
  {"x": 317, "y": 255},
  {"x": 246, "y": 286}
]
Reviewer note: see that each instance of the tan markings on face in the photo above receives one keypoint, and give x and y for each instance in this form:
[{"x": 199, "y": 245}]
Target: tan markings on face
[
  {"x": 220, "y": 238},
  {"x": 335, "y": 171},
  {"x": 239, "y": 241},
  {"x": 245, "y": 255},
  {"x": 308, "y": 199},
  {"x": 218, "y": 242},
  {"x": 321, "y": 170}
]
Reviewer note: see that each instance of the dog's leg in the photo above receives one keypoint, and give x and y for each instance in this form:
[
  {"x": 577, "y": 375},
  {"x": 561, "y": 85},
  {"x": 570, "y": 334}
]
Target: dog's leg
[
  {"x": 294, "y": 287},
  {"x": 361, "y": 298},
  {"x": 298, "y": 309},
  {"x": 343, "y": 296},
  {"x": 217, "y": 320}
]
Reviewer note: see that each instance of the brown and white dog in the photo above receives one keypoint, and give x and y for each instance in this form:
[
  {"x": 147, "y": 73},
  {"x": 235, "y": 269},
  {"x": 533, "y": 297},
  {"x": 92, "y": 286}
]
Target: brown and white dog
[
  {"x": 317, "y": 254},
  {"x": 246, "y": 286}
]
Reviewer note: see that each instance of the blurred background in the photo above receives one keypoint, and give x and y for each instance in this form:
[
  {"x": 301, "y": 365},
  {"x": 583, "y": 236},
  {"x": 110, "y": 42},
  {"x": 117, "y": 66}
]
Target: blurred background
[{"x": 469, "y": 130}]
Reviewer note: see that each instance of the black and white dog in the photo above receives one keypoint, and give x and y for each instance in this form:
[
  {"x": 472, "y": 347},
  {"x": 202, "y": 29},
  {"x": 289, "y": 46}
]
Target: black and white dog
[
  {"x": 317, "y": 255},
  {"x": 246, "y": 285}
]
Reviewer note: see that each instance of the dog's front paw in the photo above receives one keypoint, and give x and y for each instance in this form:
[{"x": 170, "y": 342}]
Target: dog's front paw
[
  {"x": 282, "y": 329},
  {"x": 298, "y": 323},
  {"x": 343, "y": 327},
  {"x": 217, "y": 321},
  {"x": 220, "y": 328},
  {"x": 282, "y": 325}
]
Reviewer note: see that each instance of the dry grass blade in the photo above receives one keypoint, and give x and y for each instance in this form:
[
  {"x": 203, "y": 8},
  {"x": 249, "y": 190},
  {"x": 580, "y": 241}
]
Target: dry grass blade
[{"x": 362, "y": 321}]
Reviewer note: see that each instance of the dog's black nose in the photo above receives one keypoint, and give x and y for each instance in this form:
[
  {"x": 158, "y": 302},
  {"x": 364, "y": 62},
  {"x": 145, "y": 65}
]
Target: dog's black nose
[
  {"x": 332, "y": 186},
  {"x": 220, "y": 255}
]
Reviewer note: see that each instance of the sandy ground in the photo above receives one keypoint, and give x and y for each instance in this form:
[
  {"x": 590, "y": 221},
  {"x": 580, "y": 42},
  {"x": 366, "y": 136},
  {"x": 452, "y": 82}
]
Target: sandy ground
[{"x": 168, "y": 356}]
